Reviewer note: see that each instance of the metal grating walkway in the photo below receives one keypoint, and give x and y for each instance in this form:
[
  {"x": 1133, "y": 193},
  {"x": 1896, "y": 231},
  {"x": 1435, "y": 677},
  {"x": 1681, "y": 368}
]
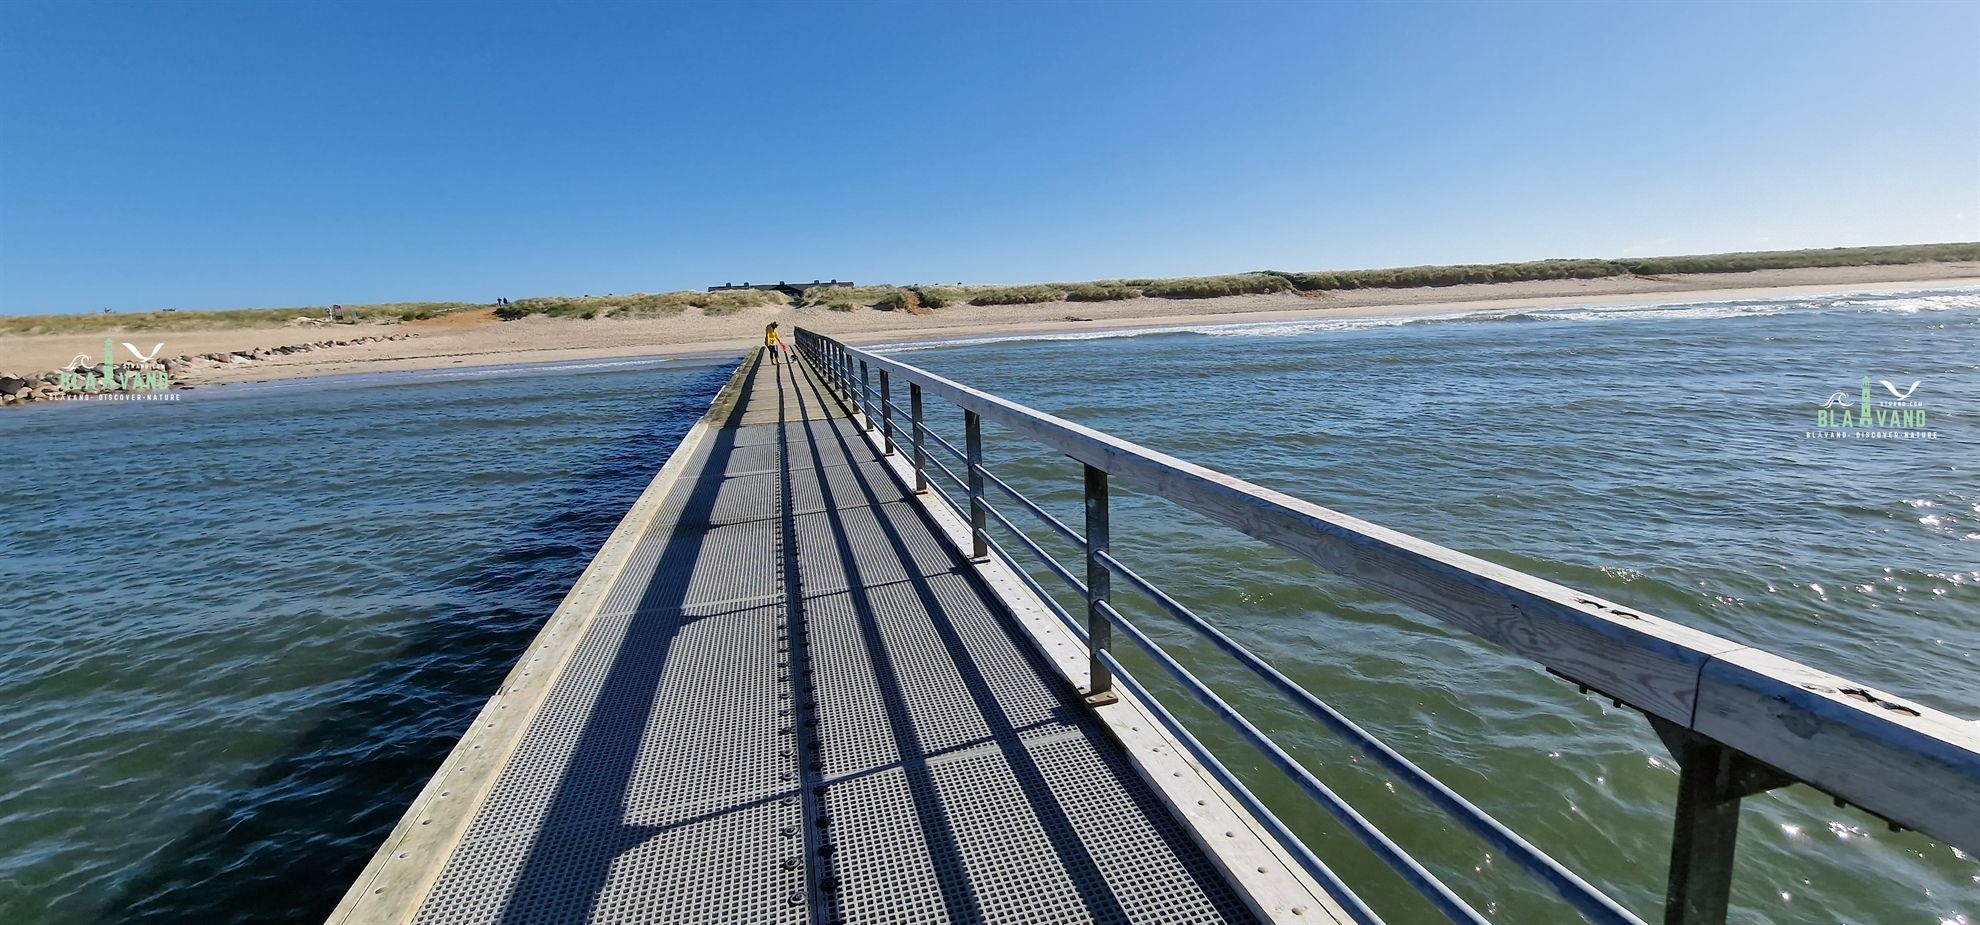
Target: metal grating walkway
[{"x": 795, "y": 703}]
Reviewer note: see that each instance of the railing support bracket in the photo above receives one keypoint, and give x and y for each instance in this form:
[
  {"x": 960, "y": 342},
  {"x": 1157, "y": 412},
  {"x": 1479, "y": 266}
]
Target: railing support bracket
[
  {"x": 979, "y": 516},
  {"x": 1712, "y": 779},
  {"x": 1099, "y": 586},
  {"x": 916, "y": 429}
]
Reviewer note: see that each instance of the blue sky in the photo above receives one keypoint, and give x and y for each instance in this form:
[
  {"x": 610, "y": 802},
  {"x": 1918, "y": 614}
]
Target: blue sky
[{"x": 197, "y": 154}]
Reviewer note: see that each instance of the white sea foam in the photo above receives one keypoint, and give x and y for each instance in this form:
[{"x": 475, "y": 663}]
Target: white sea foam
[
  {"x": 1892, "y": 302},
  {"x": 1285, "y": 328},
  {"x": 911, "y": 346},
  {"x": 1214, "y": 329},
  {"x": 1690, "y": 312},
  {"x": 1952, "y": 301}
]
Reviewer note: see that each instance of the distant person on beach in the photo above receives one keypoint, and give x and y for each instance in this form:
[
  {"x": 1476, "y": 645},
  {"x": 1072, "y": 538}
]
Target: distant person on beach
[{"x": 771, "y": 342}]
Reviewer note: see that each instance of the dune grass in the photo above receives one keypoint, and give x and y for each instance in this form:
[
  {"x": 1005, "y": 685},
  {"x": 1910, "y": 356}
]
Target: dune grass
[
  {"x": 1592, "y": 268},
  {"x": 937, "y": 296},
  {"x": 1014, "y": 295},
  {"x": 921, "y": 299},
  {"x": 903, "y": 300},
  {"x": 639, "y": 304},
  {"x": 1101, "y": 292},
  {"x": 846, "y": 298},
  {"x": 1210, "y": 287},
  {"x": 1896, "y": 255},
  {"x": 1269, "y": 281},
  {"x": 221, "y": 319}
]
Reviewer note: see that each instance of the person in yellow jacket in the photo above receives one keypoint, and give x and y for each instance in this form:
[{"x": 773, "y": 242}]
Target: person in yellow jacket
[{"x": 772, "y": 342}]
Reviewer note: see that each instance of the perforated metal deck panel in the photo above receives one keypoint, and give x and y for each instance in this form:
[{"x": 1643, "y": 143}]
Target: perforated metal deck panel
[{"x": 796, "y": 704}]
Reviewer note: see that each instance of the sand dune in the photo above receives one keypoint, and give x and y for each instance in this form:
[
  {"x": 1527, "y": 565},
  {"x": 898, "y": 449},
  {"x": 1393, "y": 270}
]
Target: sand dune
[{"x": 477, "y": 338}]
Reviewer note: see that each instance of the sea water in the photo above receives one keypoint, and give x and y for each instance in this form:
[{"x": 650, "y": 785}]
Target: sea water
[
  {"x": 241, "y": 629},
  {"x": 1674, "y": 458}
]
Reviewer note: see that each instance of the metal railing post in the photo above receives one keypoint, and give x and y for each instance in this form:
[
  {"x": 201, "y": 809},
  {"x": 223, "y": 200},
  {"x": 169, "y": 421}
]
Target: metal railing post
[
  {"x": 886, "y": 415},
  {"x": 979, "y": 516},
  {"x": 865, "y": 401},
  {"x": 1099, "y": 590},
  {"x": 920, "y": 447}
]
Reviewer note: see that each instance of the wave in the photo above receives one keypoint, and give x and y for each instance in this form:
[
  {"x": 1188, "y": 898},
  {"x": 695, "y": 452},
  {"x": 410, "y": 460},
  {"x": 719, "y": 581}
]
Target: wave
[
  {"x": 911, "y": 346},
  {"x": 1211, "y": 329},
  {"x": 1948, "y": 301},
  {"x": 1908, "y": 302},
  {"x": 1901, "y": 303}
]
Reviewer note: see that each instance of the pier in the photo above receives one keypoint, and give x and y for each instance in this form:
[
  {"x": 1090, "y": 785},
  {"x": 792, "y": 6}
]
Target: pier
[{"x": 805, "y": 682}]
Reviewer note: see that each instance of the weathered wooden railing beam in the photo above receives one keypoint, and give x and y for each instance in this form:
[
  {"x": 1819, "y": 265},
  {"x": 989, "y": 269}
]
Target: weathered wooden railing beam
[{"x": 1903, "y": 761}]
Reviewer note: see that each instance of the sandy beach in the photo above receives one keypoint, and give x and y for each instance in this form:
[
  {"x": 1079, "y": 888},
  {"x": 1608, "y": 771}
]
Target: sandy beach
[{"x": 477, "y": 338}]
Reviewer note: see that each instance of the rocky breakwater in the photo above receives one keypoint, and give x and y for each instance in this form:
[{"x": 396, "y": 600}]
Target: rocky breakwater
[{"x": 148, "y": 377}]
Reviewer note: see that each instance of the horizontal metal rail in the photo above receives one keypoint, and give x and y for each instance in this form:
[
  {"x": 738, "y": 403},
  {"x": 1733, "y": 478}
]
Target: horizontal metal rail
[
  {"x": 951, "y": 473},
  {"x": 944, "y": 443},
  {"x": 1072, "y": 581},
  {"x": 1044, "y": 597},
  {"x": 1055, "y": 523},
  {"x": 1058, "y": 526},
  {"x": 1449, "y": 903},
  {"x": 1586, "y": 898},
  {"x": 959, "y": 507},
  {"x": 1769, "y": 720},
  {"x": 1328, "y": 880}
]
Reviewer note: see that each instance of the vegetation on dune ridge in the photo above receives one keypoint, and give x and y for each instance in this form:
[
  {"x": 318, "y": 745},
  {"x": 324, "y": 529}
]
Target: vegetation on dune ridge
[
  {"x": 101, "y": 322},
  {"x": 1101, "y": 292},
  {"x": 639, "y": 304},
  {"x": 903, "y": 300},
  {"x": 1014, "y": 295},
  {"x": 845, "y": 298},
  {"x": 921, "y": 299},
  {"x": 1268, "y": 281},
  {"x": 1592, "y": 268},
  {"x": 1210, "y": 287},
  {"x": 937, "y": 296}
]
